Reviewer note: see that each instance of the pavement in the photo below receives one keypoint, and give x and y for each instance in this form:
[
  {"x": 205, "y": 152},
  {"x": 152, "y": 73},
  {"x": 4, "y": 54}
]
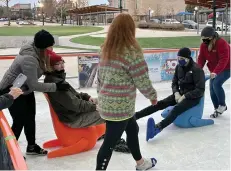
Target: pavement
[
  {"x": 65, "y": 40},
  {"x": 140, "y": 33},
  {"x": 15, "y": 51}
]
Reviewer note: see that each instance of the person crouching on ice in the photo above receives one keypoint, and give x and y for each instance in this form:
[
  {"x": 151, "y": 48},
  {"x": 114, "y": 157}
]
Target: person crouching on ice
[
  {"x": 188, "y": 86},
  {"x": 76, "y": 110}
]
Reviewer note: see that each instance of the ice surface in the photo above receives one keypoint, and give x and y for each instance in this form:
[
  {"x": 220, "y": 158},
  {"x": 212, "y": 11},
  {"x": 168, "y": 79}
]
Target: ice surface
[{"x": 174, "y": 148}]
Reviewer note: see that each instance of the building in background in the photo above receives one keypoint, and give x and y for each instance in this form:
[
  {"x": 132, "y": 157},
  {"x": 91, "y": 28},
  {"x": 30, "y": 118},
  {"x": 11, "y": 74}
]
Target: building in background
[
  {"x": 21, "y": 11},
  {"x": 155, "y": 7},
  {"x": 80, "y": 3}
]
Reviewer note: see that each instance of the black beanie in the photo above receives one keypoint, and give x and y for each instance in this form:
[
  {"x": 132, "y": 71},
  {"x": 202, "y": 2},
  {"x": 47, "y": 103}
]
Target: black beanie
[
  {"x": 184, "y": 52},
  {"x": 43, "y": 39},
  {"x": 208, "y": 32}
]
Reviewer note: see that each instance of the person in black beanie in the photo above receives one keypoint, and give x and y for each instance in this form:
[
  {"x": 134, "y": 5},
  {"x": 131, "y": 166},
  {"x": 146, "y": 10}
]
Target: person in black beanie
[
  {"x": 188, "y": 86},
  {"x": 33, "y": 62}
]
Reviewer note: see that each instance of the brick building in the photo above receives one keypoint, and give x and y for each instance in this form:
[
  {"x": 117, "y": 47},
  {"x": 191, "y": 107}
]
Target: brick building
[
  {"x": 19, "y": 10},
  {"x": 142, "y": 7}
]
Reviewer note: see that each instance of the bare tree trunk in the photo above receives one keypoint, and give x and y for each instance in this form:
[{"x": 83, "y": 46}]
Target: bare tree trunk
[
  {"x": 8, "y": 11},
  {"x": 62, "y": 15}
]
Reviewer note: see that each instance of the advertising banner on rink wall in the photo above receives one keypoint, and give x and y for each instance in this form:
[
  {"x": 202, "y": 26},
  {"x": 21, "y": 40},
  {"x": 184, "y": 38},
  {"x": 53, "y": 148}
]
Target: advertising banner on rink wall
[
  {"x": 153, "y": 62},
  {"x": 161, "y": 67},
  {"x": 168, "y": 64},
  {"x": 87, "y": 71}
]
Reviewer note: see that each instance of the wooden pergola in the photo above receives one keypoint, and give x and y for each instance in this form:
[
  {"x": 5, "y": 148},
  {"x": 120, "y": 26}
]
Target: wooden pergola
[
  {"x": 96, "y": 10},
  {"x": 209, "y": 3},
  {"x": 213, "y": 4}
]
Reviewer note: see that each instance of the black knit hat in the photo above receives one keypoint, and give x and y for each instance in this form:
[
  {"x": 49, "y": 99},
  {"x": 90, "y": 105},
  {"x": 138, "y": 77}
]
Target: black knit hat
[
  {"x": 184, "y": 52},
  {"x": 208, "y": 32},
  {"x": 43, "y": 39}
]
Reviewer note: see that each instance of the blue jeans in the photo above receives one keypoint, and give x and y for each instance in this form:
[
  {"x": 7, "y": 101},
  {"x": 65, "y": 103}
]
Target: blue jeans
[{"x": 216, "y": 91}]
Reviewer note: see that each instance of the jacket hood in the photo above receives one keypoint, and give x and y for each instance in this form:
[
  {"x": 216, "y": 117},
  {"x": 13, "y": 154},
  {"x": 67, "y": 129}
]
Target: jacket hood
[
  {"x": 29, "y": 50},
  {"x": 56, "y": 76}
]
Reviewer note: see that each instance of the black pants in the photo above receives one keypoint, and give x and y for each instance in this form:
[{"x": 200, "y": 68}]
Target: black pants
[
  {"x": 23, "y": 113},
  {"x": 114, "y": 131},
  {"x": 169, "y": 101}
]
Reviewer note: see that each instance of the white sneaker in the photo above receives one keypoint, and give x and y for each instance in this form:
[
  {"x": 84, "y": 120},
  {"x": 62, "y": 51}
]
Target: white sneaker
[
  {"x": 148, "y": 164},
  {"x": 221, "y": 109}
]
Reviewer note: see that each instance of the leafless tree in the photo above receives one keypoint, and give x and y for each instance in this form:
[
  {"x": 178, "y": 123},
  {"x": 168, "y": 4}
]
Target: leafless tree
[
  {"x": 49, "y": 8},
  {"x": 158, "y": 10},
  {"x": 6, "y": 2}
]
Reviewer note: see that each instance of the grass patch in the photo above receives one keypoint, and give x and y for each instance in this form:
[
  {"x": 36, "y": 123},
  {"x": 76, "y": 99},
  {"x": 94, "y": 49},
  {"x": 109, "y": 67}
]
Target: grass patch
[
  {"x": 155, "y": 42},
  {"x": 55, "y": 30}
]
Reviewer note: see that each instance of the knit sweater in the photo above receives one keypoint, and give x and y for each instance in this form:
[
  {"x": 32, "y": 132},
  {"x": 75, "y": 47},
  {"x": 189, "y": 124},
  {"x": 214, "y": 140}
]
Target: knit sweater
[{"x": 117, "y": 83}]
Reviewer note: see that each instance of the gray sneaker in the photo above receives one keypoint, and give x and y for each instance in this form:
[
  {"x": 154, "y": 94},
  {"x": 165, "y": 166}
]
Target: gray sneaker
[{"x": 148, "y": 164}]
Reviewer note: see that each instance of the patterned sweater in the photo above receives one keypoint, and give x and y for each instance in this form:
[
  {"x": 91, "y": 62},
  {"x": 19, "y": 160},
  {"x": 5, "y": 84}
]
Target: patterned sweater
[{"x": 117, "y": 83}]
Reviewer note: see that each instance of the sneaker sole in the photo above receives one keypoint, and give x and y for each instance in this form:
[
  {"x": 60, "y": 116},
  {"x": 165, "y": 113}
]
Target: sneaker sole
[
  {"x": 151, "y": 166},
  {"x": 35, "y": 154}
]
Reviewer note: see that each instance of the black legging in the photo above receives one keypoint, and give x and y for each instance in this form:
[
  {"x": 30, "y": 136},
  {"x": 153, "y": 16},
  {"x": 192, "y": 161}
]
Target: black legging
[
  {"x": 114, "y": 131},
  {"x": 162, "y": 104},
  {"x": 23, "y": 113}
]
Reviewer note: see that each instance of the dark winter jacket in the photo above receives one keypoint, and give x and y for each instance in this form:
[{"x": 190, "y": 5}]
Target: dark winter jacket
[
  {"x": 27, "y": 62},
  {"x": 189, "y": 81},
  {"x": 6, "y": 101},
  {"x": 68, "y": 104}
]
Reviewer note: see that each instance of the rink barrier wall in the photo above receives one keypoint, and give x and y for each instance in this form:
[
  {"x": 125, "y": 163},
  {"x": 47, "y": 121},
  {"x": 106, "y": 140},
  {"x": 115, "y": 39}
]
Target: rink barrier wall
[
  {"x": 12, "y": 145},
  {"x": 161, "y": 64}
]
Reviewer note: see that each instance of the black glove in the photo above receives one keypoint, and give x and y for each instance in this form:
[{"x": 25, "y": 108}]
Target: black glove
[{"x": 62, "y": 86}]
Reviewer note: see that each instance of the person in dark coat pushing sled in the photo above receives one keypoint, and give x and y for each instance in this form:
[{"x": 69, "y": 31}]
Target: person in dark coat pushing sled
[{"x": 188, "y": 86}]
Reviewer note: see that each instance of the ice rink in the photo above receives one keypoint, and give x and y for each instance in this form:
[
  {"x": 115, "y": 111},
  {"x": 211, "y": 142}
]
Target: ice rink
[
  {"x": 174, "y": 148},
  {"x": 205, "y": 148}
]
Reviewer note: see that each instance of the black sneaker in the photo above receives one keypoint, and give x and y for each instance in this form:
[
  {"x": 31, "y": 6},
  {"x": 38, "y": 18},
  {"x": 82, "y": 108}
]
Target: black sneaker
[
  {"x": 35, "y": 150},
  {"x": 122, "y": 147},
  {"x": 122, "y": 141}
]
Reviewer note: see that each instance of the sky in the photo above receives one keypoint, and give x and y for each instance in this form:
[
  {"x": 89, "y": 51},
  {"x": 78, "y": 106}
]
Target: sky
[{"x": 91, "y": 2}]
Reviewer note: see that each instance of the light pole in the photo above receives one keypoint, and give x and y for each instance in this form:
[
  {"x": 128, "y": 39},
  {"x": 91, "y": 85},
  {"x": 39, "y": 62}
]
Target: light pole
[
  {"x": 150, "y": 12},
  {"x": 62, "y": 15},
  {"x": 41, "y": 6},
  {"x": 214, "y": 14},
  {"x": 121, "y": 7},
  {"x": 76, "y": 16},
  {"x": 197, "y": 19},
  {"x": 196, "y": 8}
]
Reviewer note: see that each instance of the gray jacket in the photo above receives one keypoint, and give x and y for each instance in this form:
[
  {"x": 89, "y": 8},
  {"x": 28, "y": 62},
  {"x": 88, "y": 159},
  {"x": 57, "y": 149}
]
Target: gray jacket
[
  {"x": 6, "y": 101},
  {"x": 27, "y": 62}
]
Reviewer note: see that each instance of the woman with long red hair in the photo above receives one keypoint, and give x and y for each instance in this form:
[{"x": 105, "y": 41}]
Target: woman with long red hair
[{"x": 122, "y": 69}]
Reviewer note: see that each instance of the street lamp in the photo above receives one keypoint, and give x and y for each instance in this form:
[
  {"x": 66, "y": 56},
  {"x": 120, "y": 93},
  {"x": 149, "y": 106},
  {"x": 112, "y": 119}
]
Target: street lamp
[
  {"x": 196, "y": 9},
  {"x": 76, "y": 15},
  {"x": 150, "y": 12},
  {"x": 121, "y": 7},
  {"x": 41, "y": 6},
  {"x": 197, "y": 18}
]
